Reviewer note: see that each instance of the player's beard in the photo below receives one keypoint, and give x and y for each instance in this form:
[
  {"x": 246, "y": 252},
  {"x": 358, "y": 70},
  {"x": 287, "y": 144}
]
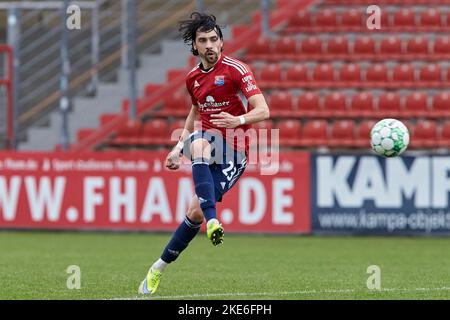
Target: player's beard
[{"x": 211, "y": 57}]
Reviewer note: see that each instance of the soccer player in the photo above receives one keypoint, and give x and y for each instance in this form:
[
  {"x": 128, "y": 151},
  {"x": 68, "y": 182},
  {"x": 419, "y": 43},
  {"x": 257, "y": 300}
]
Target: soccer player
[{"x": 216, "y": 86}]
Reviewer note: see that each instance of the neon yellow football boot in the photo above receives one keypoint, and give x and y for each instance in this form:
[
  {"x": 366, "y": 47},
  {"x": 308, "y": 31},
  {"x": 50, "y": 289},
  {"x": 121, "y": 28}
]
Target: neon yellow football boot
[
  {"x": 214, "y": 231},
  {"x": 151, "y": 282}
]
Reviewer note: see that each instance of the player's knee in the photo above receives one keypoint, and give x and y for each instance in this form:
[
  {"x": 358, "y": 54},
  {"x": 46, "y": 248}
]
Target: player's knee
[{"x": 200, "y": 148}]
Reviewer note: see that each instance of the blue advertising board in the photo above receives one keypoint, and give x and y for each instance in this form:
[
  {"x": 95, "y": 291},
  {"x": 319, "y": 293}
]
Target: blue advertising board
[{"x": 368, "y": 194}]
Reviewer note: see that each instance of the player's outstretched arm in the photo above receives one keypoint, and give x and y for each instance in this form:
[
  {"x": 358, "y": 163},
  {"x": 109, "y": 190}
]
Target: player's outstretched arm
[
  {"x": 259, "y": 113},
  {"x": 173, "y": 159}
]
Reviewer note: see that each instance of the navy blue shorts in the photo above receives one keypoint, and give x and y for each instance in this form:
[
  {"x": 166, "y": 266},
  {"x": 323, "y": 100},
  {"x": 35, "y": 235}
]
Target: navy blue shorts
[{"x": 226, "y": 164}]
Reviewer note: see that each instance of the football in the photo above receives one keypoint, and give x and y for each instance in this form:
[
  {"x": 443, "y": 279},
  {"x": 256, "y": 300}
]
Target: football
[{"x": 389, "y": 138}]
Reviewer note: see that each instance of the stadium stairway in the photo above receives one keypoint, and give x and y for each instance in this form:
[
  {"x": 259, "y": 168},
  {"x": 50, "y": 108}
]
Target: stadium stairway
[{"x": 87, "y": 111}]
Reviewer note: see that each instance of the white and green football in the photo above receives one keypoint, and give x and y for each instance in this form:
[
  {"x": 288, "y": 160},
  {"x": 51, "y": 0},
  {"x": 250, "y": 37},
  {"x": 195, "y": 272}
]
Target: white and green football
[{"x": 389, "y": 138}]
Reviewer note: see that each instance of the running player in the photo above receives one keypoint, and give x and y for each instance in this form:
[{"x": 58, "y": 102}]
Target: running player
[{"x": 225, "y": 96}]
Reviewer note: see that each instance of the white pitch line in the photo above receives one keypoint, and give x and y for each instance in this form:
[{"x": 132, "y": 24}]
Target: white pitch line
[{"x": 280, "y": 293}]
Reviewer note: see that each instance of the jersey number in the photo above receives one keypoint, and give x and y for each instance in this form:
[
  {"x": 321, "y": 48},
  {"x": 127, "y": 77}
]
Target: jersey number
[{"x": 230, "y": 171}]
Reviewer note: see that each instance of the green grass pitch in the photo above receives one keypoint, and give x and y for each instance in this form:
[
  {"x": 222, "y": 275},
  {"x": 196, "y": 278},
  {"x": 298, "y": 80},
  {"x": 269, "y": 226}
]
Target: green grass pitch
[{"x": 33, "y": 266}]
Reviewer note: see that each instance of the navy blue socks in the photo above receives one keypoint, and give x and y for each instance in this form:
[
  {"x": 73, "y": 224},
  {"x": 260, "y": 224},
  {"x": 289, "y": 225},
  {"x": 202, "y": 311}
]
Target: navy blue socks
[{"x": 180, "y": 240}]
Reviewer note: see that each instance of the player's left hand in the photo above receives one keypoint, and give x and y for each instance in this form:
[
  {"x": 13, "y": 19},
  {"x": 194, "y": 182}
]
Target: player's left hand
[{"x": 225, "y": 120}]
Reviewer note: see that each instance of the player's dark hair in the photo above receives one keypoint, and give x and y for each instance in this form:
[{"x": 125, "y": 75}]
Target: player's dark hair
[{"x": 198, "y": 22}]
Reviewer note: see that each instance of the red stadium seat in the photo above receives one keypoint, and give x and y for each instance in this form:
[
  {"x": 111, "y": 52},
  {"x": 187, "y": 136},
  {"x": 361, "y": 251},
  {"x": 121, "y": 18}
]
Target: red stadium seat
[
  {"x": 386, "y": 18},
  {"x": 363, "y": 133},
  {"x": 315, "y": 133},
  {"x": 173, "y": 74},
  {"x": 342, "y": 134},
  {"x": 177, "y": 123},
  {"x": 266, "y": 124},
  {"x": 388, "y": 105},
  {"x": 155, "y": 132},
  {"x": 323, "y": 72},
  {"x": 362, "y": 104},
  {"x": 430, "y": 17},
  {"x": 296, "y": 74},
  {"x": 285, "y": 46},
  {"x": 415, "y": 104},
  {"x": 301, "y": 20},
  {"x": 263, "y": 129},
  {"x": 308, "y": 104},
  {"x": 107, "y": 117},
  {"x": 417, "y": 46},
  {"x": 261, "y": 48},
  {"x": 440, "y": 107},
  {"x": 444, "y": 137},
  {"x": 326, "y": 18},
  {"x": 404, "y": 18},
  {"x": 391, "y": 45},
  {"x": 82, "y": 134},
  {"x": 377, "y": 73},
  {"x": 311, "y": 46},
  {"x": 338, "y": 45},
  {"x": 129, "y": 134},
  {"x": 270, "y": 73},
  {"x": 176, "y": 128},
  {"x": 350, "y": 73},
  {"x": 447, "y": 18},
  {"x": 281, "y": 104},
  {"x": 403, "y": 73},
  {"x": 424, "y": 134},
  {"x": 430, "y": 73},
  {"x": 177, "y": 104},
  {"x": 364, "y": 45},
  {"x": 334, "y": 105},
  {"x": 352, "y": 18},
  {"x": 441, "y": 46},
  {"x": 290, "y": 132}
]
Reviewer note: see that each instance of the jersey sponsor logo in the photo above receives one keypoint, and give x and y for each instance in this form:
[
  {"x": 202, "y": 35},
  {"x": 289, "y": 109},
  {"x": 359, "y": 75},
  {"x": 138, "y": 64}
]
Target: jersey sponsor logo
[
  {"x": 219, "y": 80},
  {"x": 248, "y": 78},
  {"x": 211, "y": 103},
  {"x": 250, "y": 84},
  {"x": 251, "y": 87}
]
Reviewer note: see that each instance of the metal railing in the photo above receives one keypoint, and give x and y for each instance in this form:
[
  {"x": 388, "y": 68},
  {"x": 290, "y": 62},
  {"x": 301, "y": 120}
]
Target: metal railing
[{"x": 7, "y": 124}]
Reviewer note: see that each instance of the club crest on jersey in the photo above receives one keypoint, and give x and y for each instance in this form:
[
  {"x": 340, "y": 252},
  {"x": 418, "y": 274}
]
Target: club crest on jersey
[{"x": 219, "y": 80}]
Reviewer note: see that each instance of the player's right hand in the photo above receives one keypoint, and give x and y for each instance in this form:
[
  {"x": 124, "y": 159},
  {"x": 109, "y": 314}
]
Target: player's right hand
[{"x": 173, "y": 160}]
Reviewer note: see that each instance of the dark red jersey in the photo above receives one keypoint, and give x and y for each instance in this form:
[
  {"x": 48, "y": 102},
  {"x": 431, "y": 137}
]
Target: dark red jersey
[{"x": 224, "y": 87}]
